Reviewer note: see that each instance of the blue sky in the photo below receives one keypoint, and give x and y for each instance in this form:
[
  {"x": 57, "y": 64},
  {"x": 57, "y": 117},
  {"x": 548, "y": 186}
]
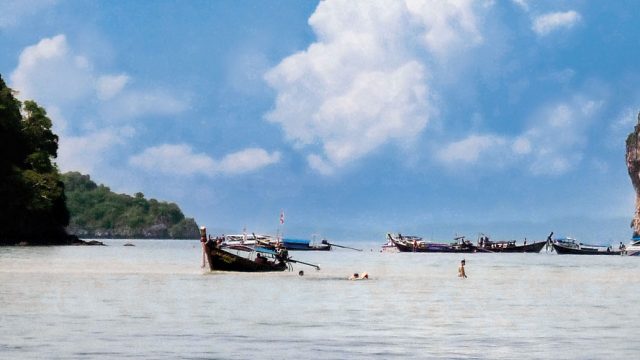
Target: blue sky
[{"x": 354, "y": 117}]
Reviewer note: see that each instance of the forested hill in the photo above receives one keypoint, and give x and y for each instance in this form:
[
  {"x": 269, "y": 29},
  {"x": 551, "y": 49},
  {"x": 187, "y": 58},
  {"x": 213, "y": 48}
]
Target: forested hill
[{"x": 97, "y": 212}]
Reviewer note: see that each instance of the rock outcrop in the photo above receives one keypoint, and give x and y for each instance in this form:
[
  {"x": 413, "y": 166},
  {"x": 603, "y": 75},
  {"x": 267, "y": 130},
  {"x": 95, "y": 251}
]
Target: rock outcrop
[{"x": 633, "y": 166}]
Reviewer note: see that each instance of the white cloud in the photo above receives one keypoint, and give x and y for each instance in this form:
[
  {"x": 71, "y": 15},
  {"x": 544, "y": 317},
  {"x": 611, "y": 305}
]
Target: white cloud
[
  {"x": 50, "y": 73},
  {"x": 181, "y": 160},
  {"x": 247, "y": 160},
  {"x": 60, "y": 79},
  {"x": 447, "y": 25},
  {"x": 552, "y": 145},
  {"x": 470, "y": 149},
  {"x": 365, "y": 83},
  {"x": 173, "y": 159},
  {"x": 109, "y": 85},
  {"x": 545, "y": 24},
  {"x": 86, "y": 153}
]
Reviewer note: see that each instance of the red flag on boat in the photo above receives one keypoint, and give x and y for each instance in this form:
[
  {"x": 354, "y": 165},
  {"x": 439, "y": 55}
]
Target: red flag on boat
[{"x": 282, "y": 217}]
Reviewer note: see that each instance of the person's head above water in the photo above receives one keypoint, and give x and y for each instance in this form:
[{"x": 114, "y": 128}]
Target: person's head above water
[
  {"x": 355, "y": 275},
  {"x": 301, "y": 273}
]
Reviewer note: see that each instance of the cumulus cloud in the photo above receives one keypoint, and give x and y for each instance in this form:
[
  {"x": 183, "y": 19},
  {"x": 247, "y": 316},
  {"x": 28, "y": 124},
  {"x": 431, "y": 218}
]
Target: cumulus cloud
[
  {"x": 547, "y": 23},
  {"x": 86, "y": 153},
  {"x": 553, "y": 144},
  {"x": 181, "y": 160},
  {"x": 53, "y": 74},
  {"x": 365, "y": 82}
]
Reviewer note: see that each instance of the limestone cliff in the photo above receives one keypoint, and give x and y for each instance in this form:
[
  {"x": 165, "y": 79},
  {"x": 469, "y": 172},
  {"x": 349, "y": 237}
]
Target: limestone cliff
[{"x": 633, "y": 166}]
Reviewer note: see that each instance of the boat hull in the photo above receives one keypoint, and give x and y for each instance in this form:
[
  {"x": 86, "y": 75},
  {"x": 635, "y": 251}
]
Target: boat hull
[
  {"x": 436, "y": 248},
  {"x": 563, "y": 250},
  {"x": 529, "y": 248},
  {"x": 221, "y": 260}
]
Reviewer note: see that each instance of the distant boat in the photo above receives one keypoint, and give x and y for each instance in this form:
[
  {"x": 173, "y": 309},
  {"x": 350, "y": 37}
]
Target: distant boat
[
  {"x": 633, "y": 249},
  {"x": 487, "y": 245},
  {"x": 416, "y": 244},
  {"x": 389, "y": 246},
  {"x": 569, "y": 246}
]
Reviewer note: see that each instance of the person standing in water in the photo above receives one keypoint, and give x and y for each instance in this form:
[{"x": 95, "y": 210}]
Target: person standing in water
[{"x": 461, "y": 272}]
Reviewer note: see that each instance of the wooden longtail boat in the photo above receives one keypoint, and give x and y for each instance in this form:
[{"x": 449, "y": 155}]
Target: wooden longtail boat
[
  {"x": 224, "y": 259},
  {"x": 569, "y": 246},
  {"x": 511, "y": 247},
  {"x": 486, "y": 245},
  {"x": 416, "y": 244}
]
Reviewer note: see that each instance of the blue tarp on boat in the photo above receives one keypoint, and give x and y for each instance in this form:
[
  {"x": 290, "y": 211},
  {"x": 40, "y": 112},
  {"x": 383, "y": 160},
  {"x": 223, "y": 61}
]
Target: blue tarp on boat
[
  {"x": 296, "y": 244},
  {"x": 295, "y": 241}
]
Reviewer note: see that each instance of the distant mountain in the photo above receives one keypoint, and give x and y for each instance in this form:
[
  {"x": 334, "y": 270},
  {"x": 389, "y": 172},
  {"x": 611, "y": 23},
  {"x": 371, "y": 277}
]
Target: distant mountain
[{"x": 97, "y": 212}]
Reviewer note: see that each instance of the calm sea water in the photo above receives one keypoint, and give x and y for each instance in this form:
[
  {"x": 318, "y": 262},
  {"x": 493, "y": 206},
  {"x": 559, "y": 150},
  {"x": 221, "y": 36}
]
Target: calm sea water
[{"x": 154, "y": 301}]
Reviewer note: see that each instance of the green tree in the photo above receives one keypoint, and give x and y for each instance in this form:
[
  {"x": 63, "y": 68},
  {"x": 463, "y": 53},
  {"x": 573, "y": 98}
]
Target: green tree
[{"x": 32, "y": 198}]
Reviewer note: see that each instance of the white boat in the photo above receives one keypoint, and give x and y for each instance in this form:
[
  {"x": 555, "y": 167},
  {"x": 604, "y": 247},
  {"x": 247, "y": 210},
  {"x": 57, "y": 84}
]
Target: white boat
[{"x": 633, "y": 249}]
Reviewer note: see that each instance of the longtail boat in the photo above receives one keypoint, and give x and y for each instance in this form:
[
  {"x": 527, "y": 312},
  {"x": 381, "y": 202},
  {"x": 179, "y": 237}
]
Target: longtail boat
[
  {"x": 254, "y": 259},
  {"x": 416, "y": 244},
  {"x": 487, "y": 245},
  {"x": 569, "y": 246},
  {"x": 226, "y": 260}
]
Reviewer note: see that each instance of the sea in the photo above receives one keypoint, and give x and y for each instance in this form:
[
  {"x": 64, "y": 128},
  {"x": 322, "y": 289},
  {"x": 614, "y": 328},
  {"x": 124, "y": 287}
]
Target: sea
[{"x": 154, "y": 301}]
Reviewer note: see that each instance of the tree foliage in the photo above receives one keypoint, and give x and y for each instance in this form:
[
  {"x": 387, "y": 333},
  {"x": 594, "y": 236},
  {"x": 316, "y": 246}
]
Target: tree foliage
[
  {"x": 96, "y": 211},
  {"x": 32, "y": 197}
]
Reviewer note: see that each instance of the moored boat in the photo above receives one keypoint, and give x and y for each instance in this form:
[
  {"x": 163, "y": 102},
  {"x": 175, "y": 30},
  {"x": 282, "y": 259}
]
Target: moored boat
[
  {"x": 487, "y": 245},
  {"x": 570, "y": 246},
  {"x": 633, "y": 249},
  {"x": 416, "y": 244},
  {"x": 242, "y": 258},
  {"x": 226, "y": 260}
]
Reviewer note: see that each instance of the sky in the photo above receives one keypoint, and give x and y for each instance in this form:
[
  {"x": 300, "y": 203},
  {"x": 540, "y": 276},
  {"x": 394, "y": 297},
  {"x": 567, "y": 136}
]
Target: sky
[{"x": 354, "y": 118}]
